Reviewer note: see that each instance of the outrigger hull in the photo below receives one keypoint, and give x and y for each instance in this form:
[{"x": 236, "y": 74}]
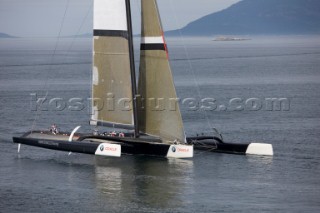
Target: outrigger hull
[{"x": 215, "y": 144}]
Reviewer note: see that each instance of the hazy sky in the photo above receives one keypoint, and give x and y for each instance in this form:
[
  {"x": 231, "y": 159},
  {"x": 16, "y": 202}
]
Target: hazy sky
[{"x": 41, "y": 18}]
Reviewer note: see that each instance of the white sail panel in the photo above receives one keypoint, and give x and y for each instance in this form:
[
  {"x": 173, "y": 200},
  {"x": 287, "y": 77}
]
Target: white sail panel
[{"x": 110, "y": 15}]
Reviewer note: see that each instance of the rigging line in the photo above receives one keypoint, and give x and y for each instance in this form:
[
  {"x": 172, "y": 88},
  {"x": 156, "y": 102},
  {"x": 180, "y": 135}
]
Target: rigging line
[
  {"x": 210, "y": 148},
  {"x": 50, "y": 68},
  {"x": 190, "y": 64},
  {"x": 74, "y": 39}
]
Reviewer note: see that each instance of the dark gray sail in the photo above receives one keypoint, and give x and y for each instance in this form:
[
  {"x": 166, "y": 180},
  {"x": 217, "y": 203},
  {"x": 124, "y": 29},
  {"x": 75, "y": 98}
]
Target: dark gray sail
[{"x": 160, "y": 114}]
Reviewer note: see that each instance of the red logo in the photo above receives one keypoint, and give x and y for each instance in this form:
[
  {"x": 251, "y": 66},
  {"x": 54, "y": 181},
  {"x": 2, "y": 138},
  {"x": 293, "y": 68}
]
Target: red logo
[
  {"x": 111, "y": 149},
  {"x": 183, "y": 150}
]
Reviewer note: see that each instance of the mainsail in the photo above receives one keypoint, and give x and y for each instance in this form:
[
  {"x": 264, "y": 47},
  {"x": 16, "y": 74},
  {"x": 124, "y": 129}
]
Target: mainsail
[
  {"x": 111, "y": 86},
  {"x": 160, "y": 114}
]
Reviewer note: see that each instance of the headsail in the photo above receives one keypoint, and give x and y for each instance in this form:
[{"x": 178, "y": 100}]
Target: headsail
[
  {"x": 161, "y": 114},
  {"x": 111, "y": 87}
]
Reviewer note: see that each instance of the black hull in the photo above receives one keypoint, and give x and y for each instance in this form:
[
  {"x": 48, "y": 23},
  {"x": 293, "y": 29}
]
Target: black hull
[
  {"x": 127, "y": 147},
  {"x": 215, "y": 144},
  {"x": 83, "y": 147},
  {"x": 229, "y": 148}
]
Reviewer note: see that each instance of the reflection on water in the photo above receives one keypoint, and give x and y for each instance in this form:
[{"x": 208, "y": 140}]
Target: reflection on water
[
  {"x": 143, "y": 181},
  {"x": 260, "y": 160},
  {"x": 108, "y": 180}
]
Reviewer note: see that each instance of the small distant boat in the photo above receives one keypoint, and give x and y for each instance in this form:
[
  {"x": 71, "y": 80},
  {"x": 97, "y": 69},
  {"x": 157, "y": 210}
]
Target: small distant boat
[
  {"x": 152, "y": 132},
  {"x": 223, "y": 38}
]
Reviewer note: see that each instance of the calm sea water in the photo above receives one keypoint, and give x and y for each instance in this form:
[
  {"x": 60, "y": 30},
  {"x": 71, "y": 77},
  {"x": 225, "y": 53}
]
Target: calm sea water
[{"x": 38, "y": 180}]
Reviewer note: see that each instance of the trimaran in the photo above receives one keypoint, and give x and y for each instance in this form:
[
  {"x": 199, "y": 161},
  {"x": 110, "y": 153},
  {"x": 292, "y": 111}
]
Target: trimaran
[{"x": 155, "y": 132}]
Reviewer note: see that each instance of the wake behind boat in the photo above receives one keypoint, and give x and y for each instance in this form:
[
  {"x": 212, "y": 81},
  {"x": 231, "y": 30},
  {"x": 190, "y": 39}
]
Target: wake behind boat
[{"x": 117, "y": 101}]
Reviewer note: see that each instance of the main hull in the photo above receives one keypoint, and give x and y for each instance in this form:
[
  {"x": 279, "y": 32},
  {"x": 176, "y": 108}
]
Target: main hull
[{"x": 97, "y": 145}]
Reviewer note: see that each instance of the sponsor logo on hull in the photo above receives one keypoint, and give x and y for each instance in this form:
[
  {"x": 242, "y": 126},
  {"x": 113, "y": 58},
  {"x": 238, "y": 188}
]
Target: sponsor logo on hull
[
  {"x": 180, "y": 151},
  {"x": 108, "y": 149}
]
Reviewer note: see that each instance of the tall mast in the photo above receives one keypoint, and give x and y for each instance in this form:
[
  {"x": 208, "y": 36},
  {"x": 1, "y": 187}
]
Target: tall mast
[{"x": 133, "y": 72}]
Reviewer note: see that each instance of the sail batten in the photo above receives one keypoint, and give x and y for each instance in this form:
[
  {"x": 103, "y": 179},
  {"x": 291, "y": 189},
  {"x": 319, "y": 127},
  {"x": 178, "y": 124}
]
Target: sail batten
[
  {"x": 152, "y": 47},
  {"x": 152, "y": 40},
  {"x": 111, "y": 78},
  {"x": 115, "y": 33},
  {"x": 112, "y": 125},
  {"x": 157, "y": 117}
]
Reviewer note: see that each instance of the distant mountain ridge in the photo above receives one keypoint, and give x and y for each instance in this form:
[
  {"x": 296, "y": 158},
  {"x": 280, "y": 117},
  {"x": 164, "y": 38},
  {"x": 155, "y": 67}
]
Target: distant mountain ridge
[
  {"x": 259, "y": 17},
  {"x": 84, "y": 35},
  {"x": 4, "y": 35}
]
